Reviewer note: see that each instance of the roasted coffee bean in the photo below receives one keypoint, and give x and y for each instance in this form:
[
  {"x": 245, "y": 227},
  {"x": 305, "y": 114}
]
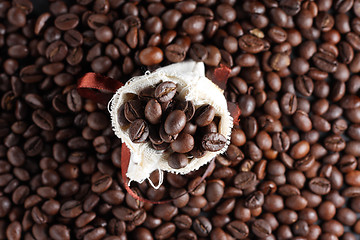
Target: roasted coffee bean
[
  {"x": 288, "y": 104},
  {"x": 43, "y": 119},
  {"x": 175, "y": 53},
  {"x": 320, "y": 185},
  {"x": 178, "y": 160},
  {"x": 59, "y": 232},
  {"x": 213, "y": 142},
  {"x": 198, "y": 52},
  {"x": 133, "y": 110},
  {"x": 261, "y": 228},
  {"x": 238, "y": 229},
  {"x": 71, "y": 209},
  {"x": 202, "y": 226},
  {"x": 66, "y": 21},
  {"x": 194, "y": 24},
  {"x": 165, "y": 91},
  {"x": 151, "y": 56},
  {"x": 254, "y": 200},
  {"x": 175, "y": 122},
  {"x": 325, "y": 62},
  {"x": 251, "y": 44},
  {"x": 153, "y": 111},
  {"x": 184, "y": 143},
  {"x": 204, "y": 115},
  {"x": 245, "y": 180},
  {"x": 56, "y": 51},
  {"x": 139, "y": 131},
  {"x": 281, "y": 142}
]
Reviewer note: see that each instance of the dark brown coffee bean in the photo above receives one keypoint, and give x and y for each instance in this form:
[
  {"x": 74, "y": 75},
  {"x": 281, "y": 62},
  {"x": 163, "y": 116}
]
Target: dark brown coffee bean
[
  {"x": 175, "y": 53},
  {"x": 251, "y": 44},
  {"x": 139, "y": 131},
  {"x": 184, "y": 143},
  {"x": 58, "y": 232},
  {"x": 175, "y": 122},
  {"x": 33, "y": 146},
  {"x": 178, "y": 160},
  {"x": 194, "y": 25},
  {"x": 56, "y": 51},
  {"x": 213, "y": 142},
  {"x": 254, "y": 200},
  {"x": 261, "y": 228},
  {"x": 165, "y": 231},
  {"x": 31, "y": 74},
  {"x": 153, "y": 111},
  {"x": 73, "y": 38},
  {"x": 204, "y": 115},
  {"x": 43, "y": 119},
  {"x": 238, "y": 229},
  {"x": 288, "y": 104},
  {"x": 304, "y": 85},
  {"x": 247, "y": 104},
  {"x": 346, "y": 52},
  {"x": 71, "y": 209},
  {"x": 202, "y": 226},
  {"x": 198, "y": 52},
  {"x": 320, "y": 185},
  {"x": 5, "y": 206},
  {"x": 245, "y": 180},
  {"x": 325, "y": 62},
  {"x": 165, "y": 91},
  {"x": 151, "y": 56},
  {"x": 16, "y": 16},
  {"x": 66, "y": 21},
  {"x": 13, "y": 231},
  {"x": 133, "y": 110}
]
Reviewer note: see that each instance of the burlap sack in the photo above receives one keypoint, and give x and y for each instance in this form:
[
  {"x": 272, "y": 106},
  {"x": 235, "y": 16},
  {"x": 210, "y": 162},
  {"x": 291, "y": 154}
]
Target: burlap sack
[{"x": 192, "y": 86}]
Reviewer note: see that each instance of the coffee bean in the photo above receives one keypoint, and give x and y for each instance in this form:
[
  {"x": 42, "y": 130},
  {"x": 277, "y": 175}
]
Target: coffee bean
[
  {"x": 175, "y": 122},
  {"x": 16, "y": 16},
  {"x": 254, "y": 200},
  {"x": 204, "y": 115},
  {"x": 153, "y": 111},
  {"x": 198, "y": 52},
  {"x": 175, "y": 53},
  {"x": 238, "y": 229},
  {"x": 251, "y": 44},
  {"x": 101, "y": 183},
  {"x": 165, "y": 91},
  {"x": 261, "y": 228},
  {"x": 133, "y": 110},
  {"x": 245, "y": 180},
  {"x": 178, "y": 160},
  {"x": 184, "y": 143},
  {"x": 281, "y": 142},
  {"x": 56, "y": 51},
  {"x": 59, "y": 232},
  {"x": 194, "y": 24},
  {"x": 33, "y": 146},
  {"x": 325, "y": 62},
  {"x": 304, "y": 85},
  {"x": 202, "y": 226},
  {"x": 71, "y": 209},
  {"x": 13, "y": 231},
  {"x": 43, "y": 119},
  {"x": 213, "y": 142},
  {"x": 320, "y": 185},
  {"x": 151, "y": 56},
  {"x": 66, "y": 21}
]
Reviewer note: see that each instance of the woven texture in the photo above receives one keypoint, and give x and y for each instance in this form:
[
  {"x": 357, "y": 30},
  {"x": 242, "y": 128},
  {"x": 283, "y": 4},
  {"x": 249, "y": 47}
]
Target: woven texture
[{"x": 192, "y": 85}]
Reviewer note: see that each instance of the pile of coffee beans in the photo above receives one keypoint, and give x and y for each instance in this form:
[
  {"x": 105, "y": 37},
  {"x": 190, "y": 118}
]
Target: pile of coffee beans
[
  {"x": 292, "y": 170},
  {"x": 156, "y": 115}
]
